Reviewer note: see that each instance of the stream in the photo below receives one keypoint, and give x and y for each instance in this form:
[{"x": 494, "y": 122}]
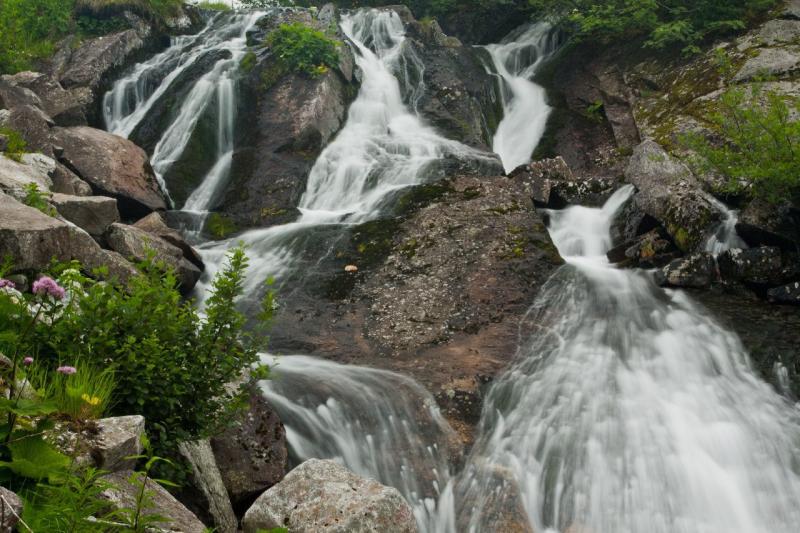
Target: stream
[{"x": 629, "y": 409}]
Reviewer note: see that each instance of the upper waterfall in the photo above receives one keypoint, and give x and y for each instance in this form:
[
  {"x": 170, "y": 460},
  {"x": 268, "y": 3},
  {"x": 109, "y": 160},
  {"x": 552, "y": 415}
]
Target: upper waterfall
[{"x": 525, "y": 108}]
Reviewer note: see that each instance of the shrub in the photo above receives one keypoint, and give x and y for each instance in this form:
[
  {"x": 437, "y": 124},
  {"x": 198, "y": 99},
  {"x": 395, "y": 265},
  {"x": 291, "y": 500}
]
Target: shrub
[
  {"x": 36, "y": 198},
  {"x": 214, "y": 6},
  {"x": 29, "y": 29},
  {"x": 303, "y": 49},
  {"x": 16, "y": 144},
  {"x": 760, "y": 151}
]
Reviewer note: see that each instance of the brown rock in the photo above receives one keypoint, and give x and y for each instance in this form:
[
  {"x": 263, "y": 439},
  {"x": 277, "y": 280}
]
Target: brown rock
[
  {"x": 34, "y": 126},
  {"x": 65, "y": 107},
  {"x": 154, "y": 223},
  {"x": 94, "y": 214}
]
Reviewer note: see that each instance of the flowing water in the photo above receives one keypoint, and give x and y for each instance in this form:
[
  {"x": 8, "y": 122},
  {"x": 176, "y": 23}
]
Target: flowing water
[
  {"x": 525, "y": 110},
  {"x": 725, "y": 237},
  {"x": 629, "y": 408}
]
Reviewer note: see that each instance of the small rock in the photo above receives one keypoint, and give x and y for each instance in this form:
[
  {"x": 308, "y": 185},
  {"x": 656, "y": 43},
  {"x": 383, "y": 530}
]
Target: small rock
[
  {"x": 123, "y": 494},
  {"x": 787, "y": 294},
  {"x": 10, "y": 510},
  {"x": 117, "y": 438},
  {"x": 351, "y": 268},
  {"x": 694, "y": 271},
  {"x": 649, "y": 250},
  {"x": 754, "y": 265},
  {"x": 323, "y": 496},
  {"x": 154, "y": 223}
]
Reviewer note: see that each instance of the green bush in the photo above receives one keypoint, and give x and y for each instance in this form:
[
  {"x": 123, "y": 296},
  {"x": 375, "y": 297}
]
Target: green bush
[
  {"x": 303, "y": 49},
  {"x": 29, "y": 30},
  {"x": 38, "y": 199},
  {"x": 760, "y": 151},
  {"x": 16, "y": 144},
  {"x": 214, "y": 6}
]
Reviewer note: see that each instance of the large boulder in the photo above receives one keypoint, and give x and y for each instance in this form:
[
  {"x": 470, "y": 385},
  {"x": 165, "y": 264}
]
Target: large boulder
[
  {"x": 668, "y": 192},
  {"x": 136, "y": 244},
  {"x": 66, "y": 181},
  {"x": 154, "y": 223},
  {"x": 207, "y": 488},
  {"x": 762, "y": 265},
  {"x": 66, "y": 107},
  {"x": 552, "y": 184},
  {"x": 94, "y": 214},
  {"x": 696, "y": 270},
  {"x": 10, "y": 510},
  {"x": 324, "y": 496},
  {"x": 89, "y": 63},
  {"x": 176, "y": 517},
  {"x": 12, "y": 96},
  {"x": 33, "y": 125},
  {"x": 32, "y": 239},
  {"x": 113, "y": 166},
  {"x": 105, "y": 444},
  {"x": 765, "y": 223},
  {"x": 252, "y": 454},
  {"x": 31, "y": 169}
]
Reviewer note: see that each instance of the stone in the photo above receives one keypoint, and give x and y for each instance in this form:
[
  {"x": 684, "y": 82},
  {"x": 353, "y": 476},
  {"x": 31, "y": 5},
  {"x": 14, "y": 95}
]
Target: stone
[
  {"x": 760, "y": 265},
  {"x": 323, "y": 496},
  {"x": 94, "y": 58},
  {"x": 791, "y": 10},
  {"x": 103, "y": 444},
  {"x": 33, "y": 168},
  {"x": 123, "y": 495},
  {"x": 773, "y": 62},
  {"x": 208, "y": 485},
  {"x": 552, "y": 184},
  {"x": 154, "y": 223},
  {"x": 668, "y": 192},
  {"x": 786, "y": 294},
  {"x": 12, "y": 96},
  {"x": 252, "y": 453},
  {"x": 651, "y": 249},
  {"x": 66, "y": 182},
  {"x": 3, "y": 143},
  {"x": 114, "y": 167},
  {"x": 764, "y": 223},
  {"x": 10, "y": 510},
  {"x": 91, "y": 213},
  {"x": 32, "y": 239},
  {"x": 696, "y": 271},
  {"x": 34, "y": 126},
  {"x": 134, "y": 243},
  {"x": 66, "y": 107}
]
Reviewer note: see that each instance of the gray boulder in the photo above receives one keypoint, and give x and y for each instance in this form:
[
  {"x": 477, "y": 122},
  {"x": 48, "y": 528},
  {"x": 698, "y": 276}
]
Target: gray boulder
[
  {"x": 696, "y": 271},
  {"x": 787, "y": 294},
  {"x": 774, "y": 62},
  {"x": 12, "y": 96},
  {"x": 89, "y": 63},
  {"x": 668, "y": 192},
  {"x": 123, "y": 494},
  {"x": 10, "y": 510},
  {"x": 33, "y": 168},
  {"x": 32, "y": 239},
  {"x": 761, "y": 265},
  {"x": 105, "y": 444},
  {"x": 113, "y": 166},
  {"x": 208, "y": 489},
  {"x": 66, "y": 182},
  {"x": 136, "y": 244},
  {"x": 33, "y": 125},
  {"x": 764, "y": 223},
  {"x": 252, "y": 453},
  {"x": 94, "y": 214},
  {"x": 154, "y": 223},
  {"x": 552, "y": 184},
  {"x": 323, "y": 496},
  {"x": 66, "y": 107}
]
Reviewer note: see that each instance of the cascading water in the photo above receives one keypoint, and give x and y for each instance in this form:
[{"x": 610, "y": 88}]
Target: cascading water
[
  {"x": 525, "y": 110},
  {"x": 725, "y": 236}
]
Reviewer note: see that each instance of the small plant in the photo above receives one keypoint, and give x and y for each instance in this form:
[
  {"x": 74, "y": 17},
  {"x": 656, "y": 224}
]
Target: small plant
[
  {"x": 136, "y": 518},
  {"x": 248, "y": 62},
  {"x": 594, "y": 111},
  {"x": 220, "y": 226},
  {"x": 304, "y": 49},
  {"x": 16, "y": 144},
  {"x": 214, "y": 6},
  {"x": 80, "y": 392},
  {"x": 36, "y": 198}
]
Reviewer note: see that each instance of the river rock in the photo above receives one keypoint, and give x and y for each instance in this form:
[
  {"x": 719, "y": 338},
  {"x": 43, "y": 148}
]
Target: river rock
[
  {"x": 65, "y": 107},
  {"x": 154, "y": 223},
  {"x": 252, "y": 453},
  {"x": 668, "y": 192},
  {"x": 114, "y": 167},
  {"x": 134, "y": 243},
  {"x": 553, "y": 185},
  {"x": 93, "y": 59},
  {"x": 324, "y": 496},
  {"x": 32, "y": 239},
  {"x": 123, "y": 494},
  {"x": 764, "y": 223},
  {"x": 33, "y": 168},
  {"x": 92, "y": 213},
  {"x": 760, "y": 265},
  {"x": 10, "y": 510},
  {"x": 651, "y": 249},
  {"x": 787, "y": 294},
  {"x": 12, "y": 96},
  {"x": 208, "y": 488},
  {"x": 696, "y": 270},
  {"x": 34, "y": 126}
]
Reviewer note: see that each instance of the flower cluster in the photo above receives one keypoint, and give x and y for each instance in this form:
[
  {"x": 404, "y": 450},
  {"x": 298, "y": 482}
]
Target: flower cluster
[
  {"x": 7, "y": 283},
  {"x": 67, "y": 370},
  {"x": 46, "y": 286},
  {"x": 28, "y": 361}
]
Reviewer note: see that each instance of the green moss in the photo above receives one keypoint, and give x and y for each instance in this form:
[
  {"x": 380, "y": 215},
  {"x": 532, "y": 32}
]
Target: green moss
[
  {"x": 681, "y": 237},
  {"x": 303, "y": 49},
  {"x": 248, "y": 62},
  {"x": 273, "y": 72}
]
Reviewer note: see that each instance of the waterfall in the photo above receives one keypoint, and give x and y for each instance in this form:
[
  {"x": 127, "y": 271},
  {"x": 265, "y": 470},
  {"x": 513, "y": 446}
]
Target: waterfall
[
  {"x": 525, "y": 110},
  {"x": 630, "y": 410},
  {"x": 725, "y": 236}
]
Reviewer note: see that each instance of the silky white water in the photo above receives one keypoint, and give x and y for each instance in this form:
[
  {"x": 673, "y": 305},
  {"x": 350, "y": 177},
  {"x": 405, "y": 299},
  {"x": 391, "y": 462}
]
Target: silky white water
[
  {"x": 525, "y": 110},
  {"x": 725, "y": 236}
]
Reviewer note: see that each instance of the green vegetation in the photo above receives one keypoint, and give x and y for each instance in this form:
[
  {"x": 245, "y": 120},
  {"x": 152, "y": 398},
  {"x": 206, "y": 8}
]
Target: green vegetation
[
  {"x": 303, "y": 49},
  {"x": 220, "y": 226},
  {"x": 16, "y": 144},
  {"x": 760, "y": 150},
  {"x": 248, "y": 62},
  {"x": 38, "y": 199},
  {"x": 214, "y": 6}
]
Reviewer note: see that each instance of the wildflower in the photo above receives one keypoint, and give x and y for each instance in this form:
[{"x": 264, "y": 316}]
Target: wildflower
[
  {"x": 66, "y": 370},
  {"x": 91, "y": 400},
  {"x": 7, "y": 283},
  {"x": 46, "y": 286},
  {"x": 28, "y": 361}
]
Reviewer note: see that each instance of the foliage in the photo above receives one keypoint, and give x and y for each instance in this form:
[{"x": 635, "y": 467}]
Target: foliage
[
  {"x": 662, "y": 23},
  {"x": 248, "y": 62},
  {"x": 304, "y": 49},
  {"x": 91, "y": 26},
  {"x": 29, "y": 29},
  {"x": 135, "y": 518},
  {"x": 84, "y": 395},
  {"x": 214, "y": 6},
  {"x": 220, "y": 226},
  {"x": 38, "y": 199},
  {"x": 16, "y": 144},
  {"x": 760, "y": 151}
]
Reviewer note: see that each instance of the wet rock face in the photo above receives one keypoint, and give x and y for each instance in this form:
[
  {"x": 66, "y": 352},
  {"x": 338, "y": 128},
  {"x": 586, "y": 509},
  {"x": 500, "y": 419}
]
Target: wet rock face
[
  {"x": 553, "y": 185},
  {"x": 761, "y": 223},
  {"x": 696, "y": 271},
  {"x": 754, "y": 265},
  {"x": 324, "y": 496},
  {"x": 786, "y": 294}
]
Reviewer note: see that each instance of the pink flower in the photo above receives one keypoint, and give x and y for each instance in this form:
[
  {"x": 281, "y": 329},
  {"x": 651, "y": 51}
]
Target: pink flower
[
  {"x": 28, "y": 361},
  {"x": 67, "y": 370},
  {"x": 7, "y": 283},
  {"x": 46, "y": 286}
]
